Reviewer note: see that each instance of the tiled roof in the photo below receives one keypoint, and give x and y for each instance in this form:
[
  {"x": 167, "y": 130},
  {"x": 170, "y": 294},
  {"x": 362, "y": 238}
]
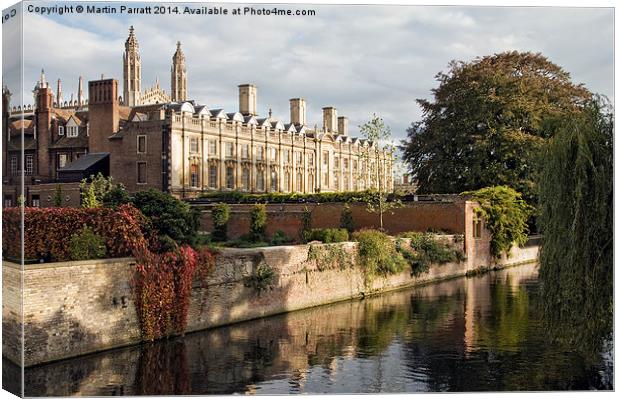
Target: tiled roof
[{"x": 71, "y": 142}]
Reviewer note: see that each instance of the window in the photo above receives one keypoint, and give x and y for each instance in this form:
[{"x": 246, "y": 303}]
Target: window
[
  {"x": 477, "y": 225},
  {"x": 325, "y": 158},
  {"x": 245, "y": 179},
  {"x": 287, "y": 181},
  {"x": 245, "y": 151},
  {"x": 311, "y": 182},
  {"x": 298, "y": 158},
  {"x": 273, "y": 154},
  {"x": 336, "y": 162},
  {"x": 61, "y": 130},
  {"x": 72, "y": 131},
  {"x": 194, "y": 175},
  {"x": 14, "y": 167},
  {"x": 274, "y": 180},
  {"x": 193, "y": 145},
  {"x": 311, "y": 159},
  {"x": 337, "y": 181},
  {"x": 212, "y": 147},
  {"x": 141, "y": 172},
  {"x": 8, "y": 201},
  {"x": 141, "y": 144},
  {"x": 286, "y": 156},
  {"x": 346, "y": 164},
  {"x": 230, "y": 177},
  {"x": 260, "y": 180},
  {"x": 62, "y": 160},
  {"x": 36, "y": 201},
  {"x": 230, "y": 150},
  {"x": 213, "y": 176},
  {"x": 300, "y": 182},
  {"x": 260, "y": 153},
  {"x": 29, "y": 164}
]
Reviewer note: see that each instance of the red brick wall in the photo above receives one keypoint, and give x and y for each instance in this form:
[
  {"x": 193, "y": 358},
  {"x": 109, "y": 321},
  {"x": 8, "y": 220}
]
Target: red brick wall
[
  {"x": 46, "y": 192},
  {"x": 413, "y": 216}
]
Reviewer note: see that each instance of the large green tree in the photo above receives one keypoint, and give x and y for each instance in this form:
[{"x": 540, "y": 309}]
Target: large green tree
[
  {"x": 576, "y": 219},
  {"x": 487, "y": 123}
]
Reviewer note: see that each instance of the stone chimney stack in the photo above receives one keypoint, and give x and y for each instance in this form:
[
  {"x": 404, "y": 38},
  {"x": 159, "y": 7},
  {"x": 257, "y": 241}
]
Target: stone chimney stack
[
  {"x": 330, "y": 119},
  {"x": 247, "y": 99},
  {"x": 343, "y": 125},
  {"x": 103, "y": 113},
  {"x": 298, "y": 111},
  {"x": 59, "y": 93},
  {"x": 80, "y": 92}
]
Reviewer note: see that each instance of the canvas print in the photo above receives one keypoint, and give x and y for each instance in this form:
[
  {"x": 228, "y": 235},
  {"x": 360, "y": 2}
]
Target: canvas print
[{"x": 223, "y": 198}]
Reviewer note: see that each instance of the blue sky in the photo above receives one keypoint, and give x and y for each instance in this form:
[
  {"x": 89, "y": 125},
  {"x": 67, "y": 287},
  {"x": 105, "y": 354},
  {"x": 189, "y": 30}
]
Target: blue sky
[{"x": 360, "y": 59}]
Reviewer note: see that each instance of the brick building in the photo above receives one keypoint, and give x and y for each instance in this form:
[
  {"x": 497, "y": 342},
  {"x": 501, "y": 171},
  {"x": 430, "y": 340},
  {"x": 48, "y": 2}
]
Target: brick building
[{"x": 149, "y": 139}]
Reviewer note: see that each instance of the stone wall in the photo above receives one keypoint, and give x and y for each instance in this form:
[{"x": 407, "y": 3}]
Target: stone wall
[{"x": 73, "y": 308}]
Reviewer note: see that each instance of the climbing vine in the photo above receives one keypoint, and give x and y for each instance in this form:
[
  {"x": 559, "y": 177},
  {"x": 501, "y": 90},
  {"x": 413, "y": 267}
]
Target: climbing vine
[
  {"x": 262, "y": 279},
  {"x": 505, "y": 215},
  {"x": 331, "y": 256}
]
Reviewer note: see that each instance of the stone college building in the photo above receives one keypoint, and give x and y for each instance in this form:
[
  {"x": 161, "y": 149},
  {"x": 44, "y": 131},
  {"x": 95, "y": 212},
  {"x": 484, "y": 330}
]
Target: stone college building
[{"x": 152, "y": 139}]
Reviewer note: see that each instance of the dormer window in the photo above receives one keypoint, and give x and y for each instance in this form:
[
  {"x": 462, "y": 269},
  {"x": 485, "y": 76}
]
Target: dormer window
[
  {"x": 72, "y": 131},
  {"x": 61, "y": 130}
]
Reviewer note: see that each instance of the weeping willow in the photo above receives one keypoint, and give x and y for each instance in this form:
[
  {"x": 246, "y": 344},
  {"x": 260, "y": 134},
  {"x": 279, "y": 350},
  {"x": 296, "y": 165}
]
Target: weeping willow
[{"x": 576, "y": 219}]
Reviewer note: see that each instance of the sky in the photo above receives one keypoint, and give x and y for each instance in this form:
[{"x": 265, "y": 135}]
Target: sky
[{"x": 359, "y": 59}]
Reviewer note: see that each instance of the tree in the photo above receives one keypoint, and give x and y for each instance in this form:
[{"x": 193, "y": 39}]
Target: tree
[
  {"x": 487, "y": 123},
  {"x": 92, "y": 193},
  {"x": 58, "y": 196},
  {"x": 379, "y": 135},
  {"x": 167, "y": 215},
  {"x": 576, "y": 219}
]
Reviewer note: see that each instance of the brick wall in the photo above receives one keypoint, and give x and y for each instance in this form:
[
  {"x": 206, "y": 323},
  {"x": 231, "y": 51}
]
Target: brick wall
[
  {"x": 46, "y": 192},
  {"x": 449, "y": 217},
  {"x": 73, "y": 308}
]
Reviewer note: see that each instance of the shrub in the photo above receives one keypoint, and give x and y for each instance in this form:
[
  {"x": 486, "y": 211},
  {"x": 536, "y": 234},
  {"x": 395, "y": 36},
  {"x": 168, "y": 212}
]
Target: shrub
[
  {"x": 262, "y": 279},
  {"x": 280, "y": 238},
  {"x": 327, "y": 236},
  {"x": 116, "y": 196},
  {"x": 306, "y": 223},
  {"x": 378, "y": 254},
  {"x": 258, "y": 222},
  {"x": 168, "y": 215},
  {"x": 424, "y": 250},
  {"x": 505, "y": 214},
  {"x": 92, "y": 192},
  {"x": 85, "y": 244},
  {"x": 346, "y": 219},
  {"x": 220, "y": 213},
  {"x": 58, "y": 196},
  {"x": 48, "y": 230},
  {"x": 238, "y": 197}
]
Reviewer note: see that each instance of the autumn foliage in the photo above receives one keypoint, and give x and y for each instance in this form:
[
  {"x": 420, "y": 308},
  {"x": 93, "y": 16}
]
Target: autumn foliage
[{"x": 48, "y": 231}]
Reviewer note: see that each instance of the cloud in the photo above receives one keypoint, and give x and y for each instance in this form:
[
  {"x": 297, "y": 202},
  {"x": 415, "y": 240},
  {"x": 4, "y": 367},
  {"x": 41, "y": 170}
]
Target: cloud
[{"x": 360, "y": 59}]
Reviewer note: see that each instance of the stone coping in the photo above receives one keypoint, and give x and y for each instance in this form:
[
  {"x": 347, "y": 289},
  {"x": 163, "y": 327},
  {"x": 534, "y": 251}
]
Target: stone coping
[{"x": 51, "y": 265}]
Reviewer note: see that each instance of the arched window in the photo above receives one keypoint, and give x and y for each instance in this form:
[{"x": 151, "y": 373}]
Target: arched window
[
  {"x": 274, "y": 180},
  {"x": 287, "y": 181},
  {"x": 300, "y": 182},
  {"x": 245, "y": 179},
  {"x": 260, "y": 180}
]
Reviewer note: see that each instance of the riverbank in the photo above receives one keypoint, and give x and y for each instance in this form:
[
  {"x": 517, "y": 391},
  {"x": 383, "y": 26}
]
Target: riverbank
[{"x": 75, "y": 308}]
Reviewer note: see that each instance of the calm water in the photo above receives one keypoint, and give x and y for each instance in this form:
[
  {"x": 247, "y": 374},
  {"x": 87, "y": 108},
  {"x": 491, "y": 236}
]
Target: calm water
[{"x": 468, "y": 334}]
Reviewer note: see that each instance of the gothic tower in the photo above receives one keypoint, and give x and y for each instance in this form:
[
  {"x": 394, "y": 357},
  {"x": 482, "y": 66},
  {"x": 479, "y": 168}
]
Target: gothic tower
[
  {"x": 178, "y": 83},
  {"x": 131, "y": 71}
]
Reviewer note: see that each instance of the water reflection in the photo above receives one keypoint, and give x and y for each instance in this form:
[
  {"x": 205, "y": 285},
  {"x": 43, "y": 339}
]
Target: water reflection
[{"x": 473, "y": 334}]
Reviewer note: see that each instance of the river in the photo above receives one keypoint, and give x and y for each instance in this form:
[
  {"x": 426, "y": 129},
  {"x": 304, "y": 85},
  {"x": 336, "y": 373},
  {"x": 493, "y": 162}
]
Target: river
[{"x": 481, "y": 333}]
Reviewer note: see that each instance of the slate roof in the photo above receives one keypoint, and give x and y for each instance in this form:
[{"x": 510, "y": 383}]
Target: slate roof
[{"x": 85, "y": 162}]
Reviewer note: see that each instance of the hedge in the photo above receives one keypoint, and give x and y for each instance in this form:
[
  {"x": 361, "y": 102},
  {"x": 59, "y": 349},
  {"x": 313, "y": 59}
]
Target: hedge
[{"x": 48, "y": 231}]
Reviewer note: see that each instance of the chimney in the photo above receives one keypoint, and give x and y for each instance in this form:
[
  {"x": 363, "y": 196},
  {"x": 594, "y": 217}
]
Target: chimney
[
  {"x": 298, "y": 111},
  {"x": 343, "y": 125},
  {"x": 103, "y": 113},
  {"x": 330, "y": 119},
  {"x": 45, "y": 100},
  {"x": 247, "y": 100},
  {"x": 59, "y": 93},
  {"x": 80, "y": 93}
]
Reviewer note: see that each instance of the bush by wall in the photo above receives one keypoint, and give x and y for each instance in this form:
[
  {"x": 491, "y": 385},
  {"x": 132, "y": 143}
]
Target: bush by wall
[
  {"x": 346, "y": 219},
  {"x": 220, "y": 214},
  {"x": 423, "y": 250},
  {"x": 377, "y": 254},
  {"x": 48, "y": 231},
  {"x": 327, "y": 235},
  {"x": 85, "y": 244},
  {"x": 258, "y": 223},
  {"x": 239, "y": 197}
]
